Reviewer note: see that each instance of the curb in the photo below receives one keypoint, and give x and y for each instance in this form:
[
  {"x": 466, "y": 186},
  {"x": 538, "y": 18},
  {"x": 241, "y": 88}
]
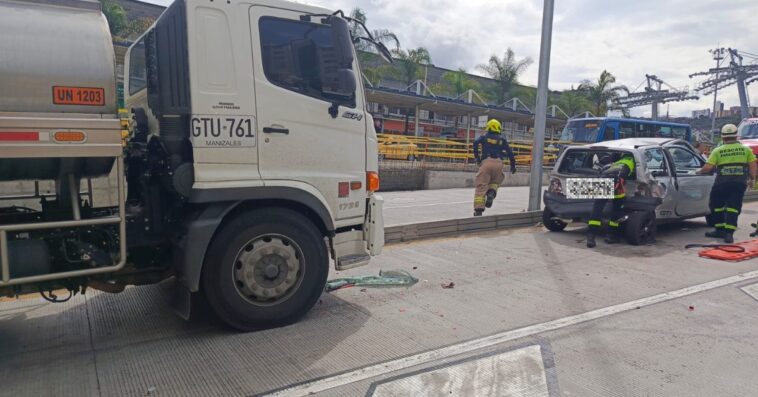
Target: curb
[{"x": 456, "y": 227}]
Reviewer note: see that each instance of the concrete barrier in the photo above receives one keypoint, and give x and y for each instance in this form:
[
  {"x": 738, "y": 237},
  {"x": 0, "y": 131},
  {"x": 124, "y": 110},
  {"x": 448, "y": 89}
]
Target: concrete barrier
[{"x": 458, "y": 179}]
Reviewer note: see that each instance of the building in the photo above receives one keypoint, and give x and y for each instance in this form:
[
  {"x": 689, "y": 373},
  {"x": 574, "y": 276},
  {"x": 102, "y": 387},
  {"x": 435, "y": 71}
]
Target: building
[{"x": 704, "y": 113}]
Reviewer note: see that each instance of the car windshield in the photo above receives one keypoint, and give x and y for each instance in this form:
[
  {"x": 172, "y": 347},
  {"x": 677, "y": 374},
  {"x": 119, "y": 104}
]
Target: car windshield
[
  {"x": 748, "y": 130},
  {"x": 581, "y": 131}
]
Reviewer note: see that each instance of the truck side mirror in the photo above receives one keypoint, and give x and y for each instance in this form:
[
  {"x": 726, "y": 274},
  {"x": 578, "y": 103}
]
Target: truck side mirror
[{"x": 342, "y": 41}]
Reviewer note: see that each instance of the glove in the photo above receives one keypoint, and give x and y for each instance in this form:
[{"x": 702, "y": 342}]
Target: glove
[{"x": 513, "y": 168}]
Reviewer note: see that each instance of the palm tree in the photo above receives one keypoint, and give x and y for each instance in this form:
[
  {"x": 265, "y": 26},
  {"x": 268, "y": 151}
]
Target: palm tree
[
  {"x": 505, "y": 72},
  {"x": 602, "y": 93},
  {"x": 457, "y": 82},
  {"x": 573, "y": 102},
  {"x": 383, "y": 36},
  {"x": 409, "y": 68}
]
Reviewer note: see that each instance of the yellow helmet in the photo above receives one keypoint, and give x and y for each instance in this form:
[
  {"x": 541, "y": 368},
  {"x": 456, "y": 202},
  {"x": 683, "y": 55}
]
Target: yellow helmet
[{"x": 494, "y": 126}]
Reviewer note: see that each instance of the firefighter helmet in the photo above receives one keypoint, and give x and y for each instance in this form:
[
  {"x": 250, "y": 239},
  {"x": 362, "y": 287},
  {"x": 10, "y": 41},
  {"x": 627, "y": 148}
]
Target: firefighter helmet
[{"x": 494, "y": 126}]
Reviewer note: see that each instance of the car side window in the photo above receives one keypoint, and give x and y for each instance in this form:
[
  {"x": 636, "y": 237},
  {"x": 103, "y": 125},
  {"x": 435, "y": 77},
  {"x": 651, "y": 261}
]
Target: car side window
[
  {"x": 684, "y": 159},
  {"x": 655, "y": 161}
]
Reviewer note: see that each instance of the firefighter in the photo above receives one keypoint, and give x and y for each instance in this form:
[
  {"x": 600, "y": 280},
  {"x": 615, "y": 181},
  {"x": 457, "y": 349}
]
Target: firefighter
[
  {"x": 619, "y": 171},
  {"x": 735, "y": 167},
  {"x": 489, "y": 151}
]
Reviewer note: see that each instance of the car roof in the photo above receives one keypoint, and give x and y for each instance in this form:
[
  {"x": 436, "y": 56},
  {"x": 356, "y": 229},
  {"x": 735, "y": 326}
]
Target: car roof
[{"x": 630, "y": 143}]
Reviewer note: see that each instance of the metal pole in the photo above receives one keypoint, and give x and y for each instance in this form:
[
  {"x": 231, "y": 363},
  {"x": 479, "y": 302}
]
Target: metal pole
[
  {"x": 468, "y": 136},
  {"x": 654, "y": 115},
  {"x": 73, "y": 188},
  {"x": 742, "y": 90},
  {"x": 718, "y": 55},
  {"x": 540, "y": 116},
  {"x": 417, "y": 117}
]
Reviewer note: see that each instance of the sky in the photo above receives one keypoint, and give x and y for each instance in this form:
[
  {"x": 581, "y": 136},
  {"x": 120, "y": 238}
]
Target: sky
[{"x": 629, "y": 38}]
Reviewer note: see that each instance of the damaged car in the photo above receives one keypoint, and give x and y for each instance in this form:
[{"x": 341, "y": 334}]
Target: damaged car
[{"x": 664, "y": 186}]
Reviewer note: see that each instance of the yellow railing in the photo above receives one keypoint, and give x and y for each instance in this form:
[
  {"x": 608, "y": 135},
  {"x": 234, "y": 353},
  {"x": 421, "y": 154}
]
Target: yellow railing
[{"x": 452, "y": 149}]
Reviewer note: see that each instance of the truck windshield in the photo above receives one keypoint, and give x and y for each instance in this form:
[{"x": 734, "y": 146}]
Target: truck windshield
[
  {"x": 581, "y": 131},
  {"x": 748, "y": 130}
]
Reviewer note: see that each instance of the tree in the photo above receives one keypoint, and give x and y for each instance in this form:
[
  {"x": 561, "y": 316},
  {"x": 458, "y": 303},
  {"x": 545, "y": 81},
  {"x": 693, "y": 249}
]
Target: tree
[
  {"x": 457, "y": 82},
  {"x": 116, "y": 16},
  {"x": 573, "y": 102},
  {"x": 409, "y": 68},
  {"x": 383, "y": 36},
  {"x": 602, "y": 93},
  {"x": 505, "y": 72}
]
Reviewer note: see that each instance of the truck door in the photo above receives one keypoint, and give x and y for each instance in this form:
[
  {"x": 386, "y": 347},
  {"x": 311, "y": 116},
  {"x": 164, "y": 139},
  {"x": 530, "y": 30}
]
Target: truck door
[
  {"x": 693, "y": 190},
  {"x": 306, "y": 135}
]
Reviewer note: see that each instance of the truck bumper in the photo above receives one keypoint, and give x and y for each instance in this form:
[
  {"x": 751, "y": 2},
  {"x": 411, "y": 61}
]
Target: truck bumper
[{"x": 356, "y": 247}]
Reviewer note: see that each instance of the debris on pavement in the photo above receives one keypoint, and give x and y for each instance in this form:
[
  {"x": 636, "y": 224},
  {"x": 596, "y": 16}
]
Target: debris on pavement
[
  {"x": 691, "y": 308},
  {"x": 449, "y": 285},
  {"x": 385, "y": 279}
]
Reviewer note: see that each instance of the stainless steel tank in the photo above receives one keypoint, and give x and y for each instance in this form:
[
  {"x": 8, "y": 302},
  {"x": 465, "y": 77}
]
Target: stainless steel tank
[{"x": 57, "y": 75}]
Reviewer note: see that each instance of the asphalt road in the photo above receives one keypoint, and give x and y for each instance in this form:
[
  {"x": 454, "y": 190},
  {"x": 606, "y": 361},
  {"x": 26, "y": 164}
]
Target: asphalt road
[{"x": 531, "y": 313}]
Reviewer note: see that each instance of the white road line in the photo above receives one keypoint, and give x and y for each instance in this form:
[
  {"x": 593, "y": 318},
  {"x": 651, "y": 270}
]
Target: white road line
[
  {"x": 372, "y": 371},
  {"x": 428, "y": 205}
]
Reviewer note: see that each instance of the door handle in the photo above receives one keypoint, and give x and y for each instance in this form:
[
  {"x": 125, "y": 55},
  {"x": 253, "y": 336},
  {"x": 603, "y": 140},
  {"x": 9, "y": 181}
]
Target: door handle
[{"x": 276, "y": 130}]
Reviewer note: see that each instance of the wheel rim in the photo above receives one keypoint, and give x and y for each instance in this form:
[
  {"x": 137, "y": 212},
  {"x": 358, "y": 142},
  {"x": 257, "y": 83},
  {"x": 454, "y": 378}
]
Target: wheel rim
[
  {"x": 268, "y": 270},
  {"x": 646, "y": 231}
]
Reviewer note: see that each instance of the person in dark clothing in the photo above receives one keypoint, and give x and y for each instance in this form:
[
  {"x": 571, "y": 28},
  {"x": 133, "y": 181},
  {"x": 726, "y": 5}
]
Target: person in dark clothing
[
  {"x": 619, "y": 171},
  {"x": 489, "y": 151},
  {"x": 735, "y": 167}
]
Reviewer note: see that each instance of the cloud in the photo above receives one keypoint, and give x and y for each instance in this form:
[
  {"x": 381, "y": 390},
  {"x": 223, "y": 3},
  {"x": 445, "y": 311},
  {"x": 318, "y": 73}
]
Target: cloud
[{"x": 628, "y": 38}]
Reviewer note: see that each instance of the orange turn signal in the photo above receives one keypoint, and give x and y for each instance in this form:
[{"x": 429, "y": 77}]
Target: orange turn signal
[
  {"x": 69, "y": 136},
  {"x": 372, "y": 181}
]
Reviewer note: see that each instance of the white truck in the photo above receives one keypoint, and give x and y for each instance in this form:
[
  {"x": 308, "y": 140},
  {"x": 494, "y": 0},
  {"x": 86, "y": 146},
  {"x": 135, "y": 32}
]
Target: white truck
[{"x": 247, "y": 163}]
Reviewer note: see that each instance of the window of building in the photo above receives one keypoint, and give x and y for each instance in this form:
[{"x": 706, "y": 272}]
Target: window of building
[
  {"x": 137, "y": 68},
  {"x": 300, "y": 56}
]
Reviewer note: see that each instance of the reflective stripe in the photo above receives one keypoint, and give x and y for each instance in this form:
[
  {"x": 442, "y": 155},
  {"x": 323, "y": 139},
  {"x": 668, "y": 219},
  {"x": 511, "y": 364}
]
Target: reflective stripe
[
  {"x": 613, "y": 224},
  {"x": 494, "y": 186},
  {"x": 619, "y": 196},
  {"x": 719, "y": 210},
  {"x": 733, "y": 210},
  {"x": 720, "y": 225},
  {"x": 479, "y": 199},
  {"x": 595, "y": 223},
  {"x": 730, "y": 227}
]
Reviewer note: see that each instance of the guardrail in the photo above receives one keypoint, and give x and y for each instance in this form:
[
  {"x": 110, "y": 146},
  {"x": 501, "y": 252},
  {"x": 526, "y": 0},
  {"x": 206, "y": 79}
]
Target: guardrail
[{"x": 401, "y": 147}]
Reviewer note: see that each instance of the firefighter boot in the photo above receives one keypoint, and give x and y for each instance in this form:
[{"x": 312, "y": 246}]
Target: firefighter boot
[
  {"x": 591, "y": 240},
  {"x": 478, "y": 212},
  {"x": 491, "y": 194},
  {"x": 718, "y": 233},
  {"x": 729, "y": 237}
]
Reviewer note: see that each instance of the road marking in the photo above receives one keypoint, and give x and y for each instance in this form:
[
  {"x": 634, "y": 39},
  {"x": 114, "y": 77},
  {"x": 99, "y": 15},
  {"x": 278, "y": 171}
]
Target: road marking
[
  {"x": 751, "y": 290},
  {"x": 371, "y": 371},
  {"x": 518, "y": 372},
  {"x": 428, "y": 205}
]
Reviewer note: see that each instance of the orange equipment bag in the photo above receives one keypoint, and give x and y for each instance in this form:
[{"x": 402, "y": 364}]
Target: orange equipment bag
[{"x": 733, "y": 252}]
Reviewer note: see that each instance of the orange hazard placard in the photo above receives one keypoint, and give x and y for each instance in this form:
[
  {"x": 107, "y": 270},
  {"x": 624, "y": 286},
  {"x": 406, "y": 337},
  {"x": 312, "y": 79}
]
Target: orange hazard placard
[{"x": 78, "y": 96}]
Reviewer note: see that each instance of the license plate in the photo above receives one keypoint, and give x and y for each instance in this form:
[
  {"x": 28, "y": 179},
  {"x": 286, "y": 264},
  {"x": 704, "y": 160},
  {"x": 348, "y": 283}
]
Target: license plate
[{"x": 589, "y": 188}]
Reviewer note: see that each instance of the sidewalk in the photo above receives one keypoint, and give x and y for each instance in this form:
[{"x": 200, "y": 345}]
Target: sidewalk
[{"x": 435, "y": 205}]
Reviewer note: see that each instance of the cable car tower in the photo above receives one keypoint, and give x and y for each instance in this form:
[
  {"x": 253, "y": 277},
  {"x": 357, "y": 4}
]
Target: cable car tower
[
  {"x": 656, "y": 92},
  {"x": 738, "y": 72}
]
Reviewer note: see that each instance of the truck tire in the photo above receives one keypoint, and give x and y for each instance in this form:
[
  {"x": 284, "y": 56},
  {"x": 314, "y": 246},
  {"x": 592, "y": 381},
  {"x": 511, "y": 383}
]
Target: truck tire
[
  {"x": 554, "y": 225},
  {"x": 640, "y": 228},
  {"x": 265, "y": 269}
]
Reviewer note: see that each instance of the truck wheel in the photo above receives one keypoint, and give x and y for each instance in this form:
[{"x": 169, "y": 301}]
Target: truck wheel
[
  {"x": 554, "y": 225},
  {"x": 265, "y": 269},
  {"x": 710, "y": 219},
  {"x": 640, "y": 227}
]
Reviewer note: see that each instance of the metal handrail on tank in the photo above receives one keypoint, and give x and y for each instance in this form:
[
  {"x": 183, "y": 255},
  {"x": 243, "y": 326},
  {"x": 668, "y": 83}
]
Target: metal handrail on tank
[{"x": 111, "y": 220}]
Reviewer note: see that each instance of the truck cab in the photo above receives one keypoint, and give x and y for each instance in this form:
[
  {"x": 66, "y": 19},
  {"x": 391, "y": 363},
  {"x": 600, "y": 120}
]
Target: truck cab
[{"x": 748, "y": 133}]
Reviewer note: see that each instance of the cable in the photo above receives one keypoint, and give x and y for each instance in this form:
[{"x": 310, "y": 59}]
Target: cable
[{"x": 54, "y": 298}]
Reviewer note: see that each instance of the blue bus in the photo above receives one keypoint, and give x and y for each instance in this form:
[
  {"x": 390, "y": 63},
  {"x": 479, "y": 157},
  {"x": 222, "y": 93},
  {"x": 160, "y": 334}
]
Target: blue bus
[{"x": 601, "y": 129}]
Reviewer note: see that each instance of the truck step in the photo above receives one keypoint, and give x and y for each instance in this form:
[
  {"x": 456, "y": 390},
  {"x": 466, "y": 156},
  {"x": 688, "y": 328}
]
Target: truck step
[{"x": 351, "y": 261}]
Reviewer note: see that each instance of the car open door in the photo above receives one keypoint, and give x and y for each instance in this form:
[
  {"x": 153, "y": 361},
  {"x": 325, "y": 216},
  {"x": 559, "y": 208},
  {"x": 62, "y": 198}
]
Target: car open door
[{"x": 693, "y": 190}]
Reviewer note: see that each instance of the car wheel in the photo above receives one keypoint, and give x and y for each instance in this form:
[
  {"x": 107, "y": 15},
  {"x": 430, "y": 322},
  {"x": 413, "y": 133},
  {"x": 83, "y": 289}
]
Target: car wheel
[
  {"x": 640, "y": 227},
  {"x": 554, "y": 225},
  {"x": 710, "y": 219},
  {"x": 265, "y": 269}
]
